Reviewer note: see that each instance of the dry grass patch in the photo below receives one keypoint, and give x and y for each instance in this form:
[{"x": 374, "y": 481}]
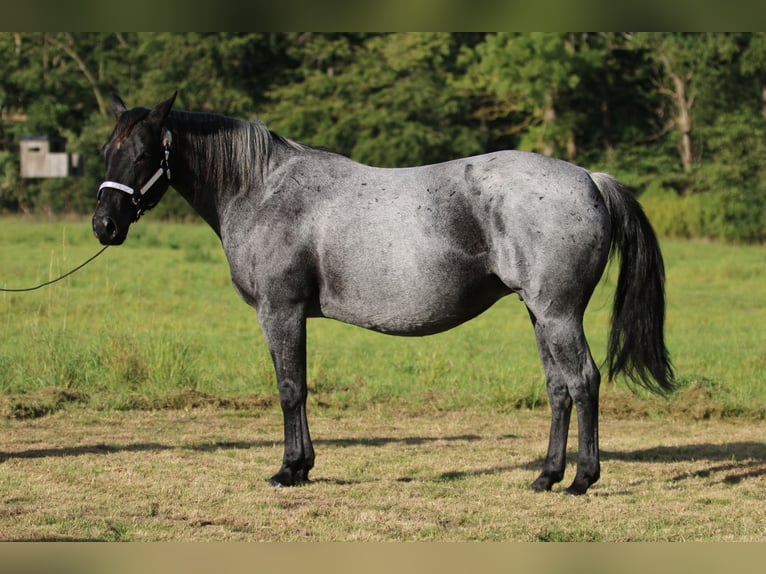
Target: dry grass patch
[{"x": 200, "y": 474}]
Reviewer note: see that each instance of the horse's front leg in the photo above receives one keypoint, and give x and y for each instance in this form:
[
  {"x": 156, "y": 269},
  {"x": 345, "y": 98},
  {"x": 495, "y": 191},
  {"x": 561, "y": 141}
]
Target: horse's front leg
[{"x": 285, "y": 329}]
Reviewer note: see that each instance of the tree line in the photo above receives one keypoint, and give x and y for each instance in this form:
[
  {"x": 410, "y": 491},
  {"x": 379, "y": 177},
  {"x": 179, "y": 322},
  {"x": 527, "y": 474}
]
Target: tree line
[{"x": 680, "y": 118}]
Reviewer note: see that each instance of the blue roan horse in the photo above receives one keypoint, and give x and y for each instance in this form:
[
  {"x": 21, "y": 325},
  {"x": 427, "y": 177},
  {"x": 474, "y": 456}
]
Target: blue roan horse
[{"x": 413, "y": 251}]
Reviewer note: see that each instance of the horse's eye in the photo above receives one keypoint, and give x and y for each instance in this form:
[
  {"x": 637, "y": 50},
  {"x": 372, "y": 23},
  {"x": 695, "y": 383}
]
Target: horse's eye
[{"x": 141, "y": 158}]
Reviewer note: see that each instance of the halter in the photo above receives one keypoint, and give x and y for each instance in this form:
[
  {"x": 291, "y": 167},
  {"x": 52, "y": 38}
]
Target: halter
[{"x": 167, "y": 140}]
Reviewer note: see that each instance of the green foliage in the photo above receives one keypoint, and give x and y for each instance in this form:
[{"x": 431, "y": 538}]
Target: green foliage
[
  {"x": 681, "y": 112},
  {"x": 530, "y": 79},
  {"x": 382, "y": 99},
  {"x": 730, "y": 214}
]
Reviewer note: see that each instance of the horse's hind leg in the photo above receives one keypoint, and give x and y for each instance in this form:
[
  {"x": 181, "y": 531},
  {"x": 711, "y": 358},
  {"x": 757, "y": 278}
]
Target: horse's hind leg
[{"x": 571, "y": 378}]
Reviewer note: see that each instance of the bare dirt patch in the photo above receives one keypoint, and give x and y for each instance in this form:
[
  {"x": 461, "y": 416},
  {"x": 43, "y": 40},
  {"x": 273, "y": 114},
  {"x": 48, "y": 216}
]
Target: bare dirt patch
[{"x": 200, "y": 474}]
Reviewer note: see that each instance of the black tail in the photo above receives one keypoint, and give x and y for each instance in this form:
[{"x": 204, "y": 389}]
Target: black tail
[{"x": 636, "y": 342}]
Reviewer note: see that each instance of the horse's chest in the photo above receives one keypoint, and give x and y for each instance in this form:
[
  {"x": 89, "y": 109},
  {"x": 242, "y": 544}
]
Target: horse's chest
[{"x": 267, "y": 264}]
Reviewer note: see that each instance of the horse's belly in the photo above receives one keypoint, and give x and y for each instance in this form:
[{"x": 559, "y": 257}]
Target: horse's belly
[{"x": 409, "y": 296}]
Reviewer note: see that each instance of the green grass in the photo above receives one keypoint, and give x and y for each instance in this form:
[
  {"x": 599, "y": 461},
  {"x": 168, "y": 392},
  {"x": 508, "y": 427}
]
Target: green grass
[{"x": 157, "y": 319}]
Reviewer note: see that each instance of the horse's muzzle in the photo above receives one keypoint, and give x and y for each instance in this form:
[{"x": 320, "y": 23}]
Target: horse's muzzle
[{"x": 107, "y": 231}]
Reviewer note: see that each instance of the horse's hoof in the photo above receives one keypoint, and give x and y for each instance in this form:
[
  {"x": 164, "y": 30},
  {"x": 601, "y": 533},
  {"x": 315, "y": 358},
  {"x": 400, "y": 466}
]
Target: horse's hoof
[
  {"x": 544, "y": 483},
  {"x": 577, "y": 489},
  {"x": 286, "y": 477},
  {"x": 275, "y": 483},
  {"x": 282, "y": 478},
  {"x": 540, "y": 486}
]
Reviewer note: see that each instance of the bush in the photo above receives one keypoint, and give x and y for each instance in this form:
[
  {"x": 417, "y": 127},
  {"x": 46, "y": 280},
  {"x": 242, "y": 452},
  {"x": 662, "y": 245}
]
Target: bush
[{"x": 729, "y": 215}]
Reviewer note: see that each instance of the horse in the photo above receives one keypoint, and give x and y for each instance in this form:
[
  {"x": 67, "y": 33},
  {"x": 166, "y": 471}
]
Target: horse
[{"x": 405, "y": 251}]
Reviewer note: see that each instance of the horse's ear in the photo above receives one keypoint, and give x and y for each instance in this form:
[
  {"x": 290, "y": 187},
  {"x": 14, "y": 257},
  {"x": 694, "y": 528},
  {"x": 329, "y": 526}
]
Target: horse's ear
[
  {"x": 160, "y": 112},
  {"x": 117, "y": 105}
]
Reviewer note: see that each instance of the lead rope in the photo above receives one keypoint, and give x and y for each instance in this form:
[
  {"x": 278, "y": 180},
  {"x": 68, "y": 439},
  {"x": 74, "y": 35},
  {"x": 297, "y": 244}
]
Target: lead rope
[
  {"x": 64, "y": 276},
  {"x": 167, "y": 140}
]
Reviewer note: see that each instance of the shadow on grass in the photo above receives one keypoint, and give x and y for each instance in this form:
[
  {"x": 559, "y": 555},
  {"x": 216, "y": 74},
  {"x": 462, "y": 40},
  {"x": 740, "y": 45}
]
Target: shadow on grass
[
  {"x": 737, "y": 461},
  {"x": 102, "y": 448}
]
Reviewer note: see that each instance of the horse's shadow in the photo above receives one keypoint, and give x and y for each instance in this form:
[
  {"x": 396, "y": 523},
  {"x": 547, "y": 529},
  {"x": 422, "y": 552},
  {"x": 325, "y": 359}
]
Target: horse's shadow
[
  {"x": 737, "y": 460},
  {"x": 103, "y": 448},
  {"x": 733, "y": 462}
]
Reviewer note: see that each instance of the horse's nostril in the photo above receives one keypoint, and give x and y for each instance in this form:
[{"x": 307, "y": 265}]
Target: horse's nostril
[
  {"x": 105, "y": 229},
  {"x": 110, "y": 227}
]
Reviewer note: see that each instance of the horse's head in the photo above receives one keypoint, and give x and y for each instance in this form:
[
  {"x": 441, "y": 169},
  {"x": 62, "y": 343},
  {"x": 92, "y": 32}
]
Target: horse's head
[{"x": 137, "y": 172}]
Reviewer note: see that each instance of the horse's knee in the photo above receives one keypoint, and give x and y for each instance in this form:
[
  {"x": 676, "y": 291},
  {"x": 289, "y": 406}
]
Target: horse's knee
[
  {"x": 291, "y": 394},
  {"x": 584, "y": 387}
]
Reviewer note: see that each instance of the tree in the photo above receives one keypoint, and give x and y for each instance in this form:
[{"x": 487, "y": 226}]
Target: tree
[
  {"x": 687, "y": 66},
  {"x": 525, "y": 86},
  {"x": 383, "y": 99},
  {"x": 669, "y": 112},
  {"x": 753, "y": 58}
]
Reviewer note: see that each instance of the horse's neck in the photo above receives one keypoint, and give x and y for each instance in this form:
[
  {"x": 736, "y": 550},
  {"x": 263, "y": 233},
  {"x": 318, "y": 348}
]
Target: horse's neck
[
  {"x": 196, "y": 192},
  {"x": 212, "y": 162}
]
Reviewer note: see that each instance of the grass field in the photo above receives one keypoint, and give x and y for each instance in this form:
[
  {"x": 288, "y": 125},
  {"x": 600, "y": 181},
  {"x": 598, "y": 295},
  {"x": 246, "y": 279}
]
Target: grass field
[
  {"x": 156, "y": 322},
  {"x": 144, "y": 381},
  {"x": 200, "y": 474}
]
